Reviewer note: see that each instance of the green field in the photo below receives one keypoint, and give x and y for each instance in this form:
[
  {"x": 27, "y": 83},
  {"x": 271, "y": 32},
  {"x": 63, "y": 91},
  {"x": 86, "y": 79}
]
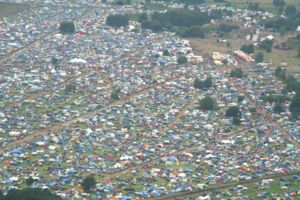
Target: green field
[
  {"x": 154, "y": 6},
  {"x": 264, "y": 4},
  {"x": 10, "y": 9},
  {"x": 276, "y": 187}
]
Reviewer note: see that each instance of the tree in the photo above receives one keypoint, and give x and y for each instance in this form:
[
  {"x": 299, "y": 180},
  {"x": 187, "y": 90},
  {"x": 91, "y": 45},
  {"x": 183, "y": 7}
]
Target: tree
[
  {"x": 227, "y": 28},
  {"x": 298, "y": 52},
  {"x": 120, "y": 2},
  {"x": 153, "y": 25},
  {"x": 233, "y": 111},
  {"x": 236, "y": 73},
  {"x": 252, "y": 110},
  {"x": 117, "y": 20},
  {"x": 279, "y": 3},
  {"x": 70, "y": 88},
  {"x": 295, "y": 105},
  {"x": 192, "y": 1},
  {"x": 240, "y": 98},
  {"x": 166, "y": 53},
  {"x": 289, "y": 23},
  {"x": 266, "y": 45},
  {"x": 290, "y": 10},
  {"x": 278, "y": 108},
  {"x": 115, "y": 95},
  {"x": 198, "y": 83},
  {"x": 259, "y": 57},
  {"x": 207, "y": 83},
  {"x": 182, "y": 60},
  {"x": 178, "y": 18},
  {"x": 207, "y": 103},
  {"x": 54, "y": 61},
  {"x": 143, "y": 17},
  {"x": 67, "y": 28},
  {"x": 29, "y": 181},
  {"x": 236, "y": 121},
  {"x": 88, "y": 183},
  {"x": 249, "y": 49},
  {"x": 280, "y": 74},
  {"x": 292, "y": 84},
  {"x": 193, "y": 31},
  {"x": 30, "y": 194},
  {"x": 254, "y": 6}
]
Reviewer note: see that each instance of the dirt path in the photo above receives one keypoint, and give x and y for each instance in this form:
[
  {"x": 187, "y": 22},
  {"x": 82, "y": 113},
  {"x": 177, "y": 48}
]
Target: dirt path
[{"x": 57, "y": 127}]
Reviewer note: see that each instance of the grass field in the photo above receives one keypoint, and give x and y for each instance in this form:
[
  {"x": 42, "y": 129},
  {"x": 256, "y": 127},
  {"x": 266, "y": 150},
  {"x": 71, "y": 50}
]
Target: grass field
[
  {"x": 264, "y": 4},
  {"x": 273, "y": 188},
  {"x": 276, "y": 57},
  {"x": 10, "y": 9},
  {"x": 279, "y": 56},
  {"x": 154, "y": 6}
]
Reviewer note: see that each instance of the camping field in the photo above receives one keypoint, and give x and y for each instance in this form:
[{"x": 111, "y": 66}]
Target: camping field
[{"x": 9, "y": 9}]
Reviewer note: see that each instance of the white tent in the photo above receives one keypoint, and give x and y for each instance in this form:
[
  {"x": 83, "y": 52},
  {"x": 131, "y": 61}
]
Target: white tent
[{"x": 78, "y": 61}]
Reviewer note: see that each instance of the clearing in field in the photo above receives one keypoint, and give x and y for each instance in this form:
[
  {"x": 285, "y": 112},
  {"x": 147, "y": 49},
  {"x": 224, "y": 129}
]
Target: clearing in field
[{"x": 10, "y": 9}]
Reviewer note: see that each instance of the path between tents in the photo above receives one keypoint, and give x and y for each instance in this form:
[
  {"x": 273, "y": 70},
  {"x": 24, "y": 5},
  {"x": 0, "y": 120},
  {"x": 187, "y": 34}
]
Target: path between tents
[
  {"x": 195, "y": 193},
  {"x": 268, "y": 117},
  {"x": 57, "y": 127},
  {"x": 156, "y": 159}
]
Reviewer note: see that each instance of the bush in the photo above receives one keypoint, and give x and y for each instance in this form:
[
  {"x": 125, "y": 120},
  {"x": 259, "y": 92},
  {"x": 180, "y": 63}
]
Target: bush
[
  {"x": 193, "y": 31},
  {"x": 266, "y": 45},
  {"x": 253, "y": 6},
  {"x": 178, "y": 18},
  {"x": 166, "y": 53},
  {"x": 67, "y": 28},
  {"x": 240, "y": 98},
  {"x": 115, "y": 95},
  {"x": 117, "y": 20},
  {"x": 278, "y": 108},
  {"x": 153, "y": 25},
  {"x": 280, "y": 74},
  {"x": 259, "y": 57},
  {"x": 207, "y": 83},
  {"x": 279, "y": 3},
  {"x": 207, "y": 103},
  {"x": 236, "y": 121},
  {"x": 182, "y": 60},
  {"x": 30, "y": 194},
  {"x": 88, "y": 183},
  {"x": 295, "y": 106},
  {"x": 236, "y": 73},
  {"x": 227, "y": 28},
  {"x": 234, "y": 112},
  {"x": 143, "y": 17},
  {"x": 70, "y": 88},
  {"x": 29, "y": 181},
  {"x": 249, "y": 49}
]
